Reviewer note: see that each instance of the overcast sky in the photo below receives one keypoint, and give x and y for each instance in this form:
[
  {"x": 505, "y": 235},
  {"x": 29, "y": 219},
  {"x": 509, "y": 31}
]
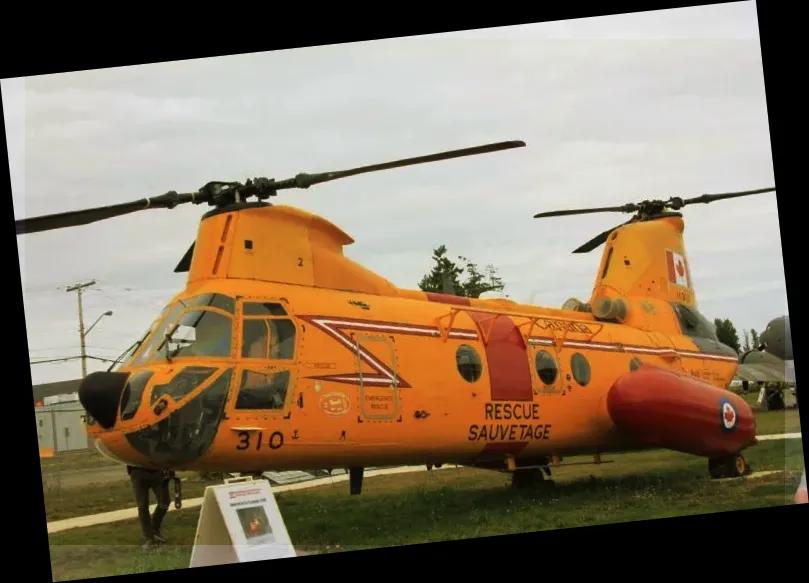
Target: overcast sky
[{"x": 613, "y": 110}]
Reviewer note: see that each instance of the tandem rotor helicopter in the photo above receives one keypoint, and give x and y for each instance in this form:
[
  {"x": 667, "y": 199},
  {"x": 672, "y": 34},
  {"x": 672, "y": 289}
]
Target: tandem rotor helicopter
[{"x": 283, "y": 354}]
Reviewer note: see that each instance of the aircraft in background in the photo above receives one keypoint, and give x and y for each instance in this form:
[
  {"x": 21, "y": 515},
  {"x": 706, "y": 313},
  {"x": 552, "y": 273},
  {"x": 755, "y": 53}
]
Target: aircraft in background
[{"x": 770, "y": 366}]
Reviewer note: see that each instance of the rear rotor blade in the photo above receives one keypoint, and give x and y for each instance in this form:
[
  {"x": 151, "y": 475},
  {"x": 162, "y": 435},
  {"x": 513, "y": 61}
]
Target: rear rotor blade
[
  {"x": 627, "y": 208},
  {"x": 645, "y": 210},
  {"x": 598, "y": 240},
  {"x": 706, "y": 198},
  {"x": 304, "y": 180}
]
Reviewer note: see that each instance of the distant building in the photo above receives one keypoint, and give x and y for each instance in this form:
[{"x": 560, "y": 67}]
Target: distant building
[
  {"x": 60, "y": 417},
  {"x": 53, "y": 389}
]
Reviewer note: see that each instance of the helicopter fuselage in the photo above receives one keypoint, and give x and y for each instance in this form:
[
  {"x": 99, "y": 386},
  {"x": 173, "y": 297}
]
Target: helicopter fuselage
[
  {"x": 281, "y": 353},
  {"x": 339, "y": 379}
]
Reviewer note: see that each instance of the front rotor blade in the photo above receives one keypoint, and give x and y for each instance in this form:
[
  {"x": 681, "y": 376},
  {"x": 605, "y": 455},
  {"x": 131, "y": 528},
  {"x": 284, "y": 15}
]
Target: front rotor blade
[
  {"x": 93, "y": 215},
  {"x": 306, "y": 180},
  {"x": 76, "y": 218}
]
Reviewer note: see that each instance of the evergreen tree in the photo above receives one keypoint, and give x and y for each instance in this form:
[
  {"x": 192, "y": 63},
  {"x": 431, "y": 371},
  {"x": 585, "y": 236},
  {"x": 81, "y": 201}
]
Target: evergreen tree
[
  {"x": 754, "y": 339},
  {"x": 726, "y": 332},
  {"x": 447, "y": 274}
]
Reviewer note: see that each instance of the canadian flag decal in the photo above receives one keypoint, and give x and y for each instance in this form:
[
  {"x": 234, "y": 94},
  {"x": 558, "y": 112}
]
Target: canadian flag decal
[{"x": 678, "y": 273}]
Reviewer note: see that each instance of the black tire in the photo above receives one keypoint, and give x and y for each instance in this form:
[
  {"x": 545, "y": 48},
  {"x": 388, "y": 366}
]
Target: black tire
[
  {"x": 732, "y": 466},
  {"x": 717, "y": 469},
  {"x": 775, "y": 401},
  {"x": 522, "y": 479}
]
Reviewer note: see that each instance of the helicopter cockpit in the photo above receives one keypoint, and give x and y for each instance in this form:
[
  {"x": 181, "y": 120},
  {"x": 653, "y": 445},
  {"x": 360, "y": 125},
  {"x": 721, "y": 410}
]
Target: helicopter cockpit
[
  {"x": 188, "y": 329},
  {"x": 181, "y": 372}
]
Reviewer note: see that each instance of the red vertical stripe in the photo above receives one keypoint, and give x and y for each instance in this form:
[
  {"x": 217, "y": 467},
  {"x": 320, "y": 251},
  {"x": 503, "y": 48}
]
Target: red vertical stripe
[{"x": 509, "y": 369}]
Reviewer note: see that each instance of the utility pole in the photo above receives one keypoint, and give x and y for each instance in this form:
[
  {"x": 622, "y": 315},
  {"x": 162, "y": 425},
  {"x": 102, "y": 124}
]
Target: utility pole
[{"x": 79, "y": 288}]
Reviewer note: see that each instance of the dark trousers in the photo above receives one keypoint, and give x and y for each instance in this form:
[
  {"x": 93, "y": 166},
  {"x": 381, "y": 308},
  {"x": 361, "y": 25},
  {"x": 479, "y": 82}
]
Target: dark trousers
[{"x": 142, "y": 484}]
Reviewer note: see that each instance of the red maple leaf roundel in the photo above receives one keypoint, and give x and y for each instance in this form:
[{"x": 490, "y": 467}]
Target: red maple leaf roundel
[{"x": 729, "y": 414}]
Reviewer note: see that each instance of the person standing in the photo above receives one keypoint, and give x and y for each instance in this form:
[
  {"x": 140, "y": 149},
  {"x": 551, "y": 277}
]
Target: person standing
[{"x": 145, "y": 481}]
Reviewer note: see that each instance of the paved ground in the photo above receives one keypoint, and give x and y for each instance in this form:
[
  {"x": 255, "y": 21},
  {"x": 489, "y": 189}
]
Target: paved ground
[{"x": 782, "y": 436}]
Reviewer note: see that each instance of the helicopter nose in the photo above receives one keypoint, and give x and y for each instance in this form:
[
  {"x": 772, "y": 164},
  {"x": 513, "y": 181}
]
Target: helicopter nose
[{"x": 100, "y": 394}]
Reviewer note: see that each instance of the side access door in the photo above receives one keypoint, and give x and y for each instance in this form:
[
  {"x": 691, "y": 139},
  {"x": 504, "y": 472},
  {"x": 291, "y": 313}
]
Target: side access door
[
  {"x": 379, "y": 383},
  {"x": 263, "y": 390}
]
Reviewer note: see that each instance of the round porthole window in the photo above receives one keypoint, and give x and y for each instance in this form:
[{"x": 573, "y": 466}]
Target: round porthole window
[
  {"x": 546, "y": 367},
  {"x": 580, "y": 369},
  {"x": 634, "y": 364},
  {"x": 468, "y": 362}
]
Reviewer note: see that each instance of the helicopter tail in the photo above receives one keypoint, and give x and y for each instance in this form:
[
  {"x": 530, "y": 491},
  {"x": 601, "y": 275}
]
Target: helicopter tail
[
  {"x": 645, "y": 257},
  {"x": 645, "y": 260},
  {"x": 644, "y": 279}
]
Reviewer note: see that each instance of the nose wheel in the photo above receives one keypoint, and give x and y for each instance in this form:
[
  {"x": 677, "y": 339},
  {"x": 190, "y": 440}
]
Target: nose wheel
[{"x": 732, "y": 466}]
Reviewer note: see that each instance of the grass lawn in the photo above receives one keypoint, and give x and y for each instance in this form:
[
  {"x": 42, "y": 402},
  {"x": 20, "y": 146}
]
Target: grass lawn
[
  {"x": 98, "y": 498},
  {"x": 90, "y": 496},
  {"x": 76, "y": 460},
  {"x": 777, "y": 422},
  {"x": 459, "y": 503}
]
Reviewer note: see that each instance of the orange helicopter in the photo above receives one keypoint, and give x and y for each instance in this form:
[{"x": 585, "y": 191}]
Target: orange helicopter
[{"x": 283, "y": 354}]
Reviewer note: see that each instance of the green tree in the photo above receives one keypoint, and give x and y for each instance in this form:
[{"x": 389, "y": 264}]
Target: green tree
[
  {"x": 746, "y": 338},
  {"x": 726, "y": 332},
  {"x": 445, "y": 276},
  {"x": 754, "y": 339}
]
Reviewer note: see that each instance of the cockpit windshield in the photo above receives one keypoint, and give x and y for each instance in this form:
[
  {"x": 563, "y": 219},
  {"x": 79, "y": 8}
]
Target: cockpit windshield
[
  {"x": 198, "y": 333},
  {"x": 190, "y": 329}
]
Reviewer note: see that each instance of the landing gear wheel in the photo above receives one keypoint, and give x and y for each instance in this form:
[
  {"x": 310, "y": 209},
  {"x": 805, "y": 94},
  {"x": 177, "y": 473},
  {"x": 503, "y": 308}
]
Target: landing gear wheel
[
  {"x": 533, "y": 478},
  {"x": 774, "y": 400},
  {"x": 732, "y": 466}
]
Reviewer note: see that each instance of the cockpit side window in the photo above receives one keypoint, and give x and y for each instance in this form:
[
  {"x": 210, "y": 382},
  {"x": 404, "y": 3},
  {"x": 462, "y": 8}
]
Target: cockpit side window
[
  {"x": 269, "y": 334},
  {"x": 264, "y": 390}
]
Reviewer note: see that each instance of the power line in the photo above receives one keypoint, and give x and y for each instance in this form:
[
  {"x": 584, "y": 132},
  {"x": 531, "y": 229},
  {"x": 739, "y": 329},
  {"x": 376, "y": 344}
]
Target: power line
[
  {"x": 74, "y": 347},
  {"x": 66, "y": 358}
]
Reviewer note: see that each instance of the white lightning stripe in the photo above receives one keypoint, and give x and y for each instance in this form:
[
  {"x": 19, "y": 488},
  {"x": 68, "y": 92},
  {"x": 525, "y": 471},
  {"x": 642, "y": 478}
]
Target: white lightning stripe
[
  {"x": 395, "y": 328},
  {"x": 367, "y": 357},
  {"x": 358, "y": 378},
  {"x": 638, "y": 349},
  {"x": 328, "y": 323},
  {"x": 385, "y": 327}
]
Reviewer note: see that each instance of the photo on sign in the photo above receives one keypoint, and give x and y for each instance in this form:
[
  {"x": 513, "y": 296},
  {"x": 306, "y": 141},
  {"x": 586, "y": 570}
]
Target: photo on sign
[{"x": 255, "y": 524}]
